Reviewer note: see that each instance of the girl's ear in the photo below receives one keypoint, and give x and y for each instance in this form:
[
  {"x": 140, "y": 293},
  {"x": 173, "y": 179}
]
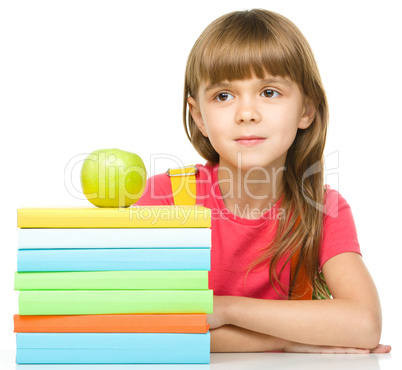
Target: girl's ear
[
  {"x": 308, "y": 115},
  {"x": 196, "y": 114}
]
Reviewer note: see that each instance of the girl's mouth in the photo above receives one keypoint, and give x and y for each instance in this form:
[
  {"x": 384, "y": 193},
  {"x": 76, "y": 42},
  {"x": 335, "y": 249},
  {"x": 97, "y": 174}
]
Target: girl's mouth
[{"x": 250, "y": 140}]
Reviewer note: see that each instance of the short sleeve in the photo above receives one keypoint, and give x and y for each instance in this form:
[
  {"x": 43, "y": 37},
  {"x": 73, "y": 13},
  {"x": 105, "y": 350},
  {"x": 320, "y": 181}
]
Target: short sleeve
[
  {"x": 157, "y": 192},
  {"x": 339, "y": 229}
]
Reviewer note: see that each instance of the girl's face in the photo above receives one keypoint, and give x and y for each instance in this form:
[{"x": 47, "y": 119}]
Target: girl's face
[{"x": 251, "y": 123}]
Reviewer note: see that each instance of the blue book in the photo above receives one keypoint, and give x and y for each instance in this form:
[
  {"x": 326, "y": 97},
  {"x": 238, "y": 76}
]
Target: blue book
[
  {"x": 112, "y": 348},
  {"x": 114, "y": 238},
  {"x": 34, "y": 260}
]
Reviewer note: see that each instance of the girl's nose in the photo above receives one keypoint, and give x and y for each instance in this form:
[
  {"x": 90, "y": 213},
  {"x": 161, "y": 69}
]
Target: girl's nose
[{"x": 247, "y": 112}]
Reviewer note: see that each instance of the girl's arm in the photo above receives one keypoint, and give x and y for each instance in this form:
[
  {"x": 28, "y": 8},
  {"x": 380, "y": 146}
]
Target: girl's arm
[
  {"x": 230, "y": 338},
  {"x": 351, "y": 319}
]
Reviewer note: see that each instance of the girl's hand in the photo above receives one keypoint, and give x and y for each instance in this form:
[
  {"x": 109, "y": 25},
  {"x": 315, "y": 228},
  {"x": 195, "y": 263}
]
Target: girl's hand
[
  {"x": 308, "y": 348},
  {"x": 218, "y": 318}
]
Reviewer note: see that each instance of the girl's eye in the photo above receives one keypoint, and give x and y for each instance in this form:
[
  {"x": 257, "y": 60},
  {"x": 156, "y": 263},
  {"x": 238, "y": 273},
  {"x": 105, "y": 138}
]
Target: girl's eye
[
  {"x": 269, "y": 93},
  {"x": 224, "y": 96}
]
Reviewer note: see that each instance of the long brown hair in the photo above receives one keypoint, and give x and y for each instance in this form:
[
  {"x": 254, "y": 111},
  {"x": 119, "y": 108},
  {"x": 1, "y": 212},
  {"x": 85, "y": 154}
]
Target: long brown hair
[{"x": 237, "y": 46}]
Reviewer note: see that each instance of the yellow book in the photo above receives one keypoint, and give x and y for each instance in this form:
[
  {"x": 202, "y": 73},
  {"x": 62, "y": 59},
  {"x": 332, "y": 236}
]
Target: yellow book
[{"x": 132, "y": 217}]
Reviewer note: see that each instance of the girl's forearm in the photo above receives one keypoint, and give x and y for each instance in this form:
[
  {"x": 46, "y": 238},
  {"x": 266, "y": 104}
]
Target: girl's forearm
[
  {"x": 351, "y": 319},
  {"x": 230, "y": 338},
  {"x": 335, "y": 322}
]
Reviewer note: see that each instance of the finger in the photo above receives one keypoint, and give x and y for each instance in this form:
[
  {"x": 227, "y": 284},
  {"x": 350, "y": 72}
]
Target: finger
[{"x": 381, "y": 348}]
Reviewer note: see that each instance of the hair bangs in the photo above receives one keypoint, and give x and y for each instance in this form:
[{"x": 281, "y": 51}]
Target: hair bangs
[{"x": 240, "y": 50}]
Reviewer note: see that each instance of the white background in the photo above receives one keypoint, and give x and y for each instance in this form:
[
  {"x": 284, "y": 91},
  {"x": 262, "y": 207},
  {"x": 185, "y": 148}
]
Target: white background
[{"x": 76, "y": 76}]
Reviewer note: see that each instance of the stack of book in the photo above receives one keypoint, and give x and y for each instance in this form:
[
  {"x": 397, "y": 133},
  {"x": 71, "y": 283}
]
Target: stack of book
[{"x": 104, "y": 286}]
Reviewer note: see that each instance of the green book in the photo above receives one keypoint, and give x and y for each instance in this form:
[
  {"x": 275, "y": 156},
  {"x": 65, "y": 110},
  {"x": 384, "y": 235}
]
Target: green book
[
  {"x": 92, "y": 302},
  {"x": 112, "y": 280}
]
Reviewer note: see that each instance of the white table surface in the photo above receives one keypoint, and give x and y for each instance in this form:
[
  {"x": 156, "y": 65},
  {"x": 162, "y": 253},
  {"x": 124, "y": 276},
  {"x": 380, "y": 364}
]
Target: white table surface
[{"x": 243, "y": 361}]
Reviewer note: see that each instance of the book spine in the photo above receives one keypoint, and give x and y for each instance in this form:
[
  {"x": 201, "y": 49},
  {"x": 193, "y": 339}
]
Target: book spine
[
  {"x": 112, "y": 280},
  {"x": 91, "y": 302},
  {"x": 130, "y": 323},
  {"x": 132, "y": 217},
  {"x": 116, "y": 348},
  {"x": 30, "y": 260},
  {"x": 114, "y": 238}
]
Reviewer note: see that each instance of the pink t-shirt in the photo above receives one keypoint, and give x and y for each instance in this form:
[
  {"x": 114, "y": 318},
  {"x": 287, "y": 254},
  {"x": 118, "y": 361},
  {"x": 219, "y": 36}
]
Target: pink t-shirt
[{"x": 236, "y": 241}]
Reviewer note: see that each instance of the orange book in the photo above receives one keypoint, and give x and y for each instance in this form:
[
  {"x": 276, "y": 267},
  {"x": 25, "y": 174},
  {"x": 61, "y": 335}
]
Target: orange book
[{"x": 131, "y": 323}]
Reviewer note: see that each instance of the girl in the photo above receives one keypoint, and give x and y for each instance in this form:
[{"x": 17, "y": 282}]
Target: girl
[{"x": 256, "y": 110}]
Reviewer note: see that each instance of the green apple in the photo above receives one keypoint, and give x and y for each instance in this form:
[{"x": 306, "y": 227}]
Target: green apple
[{"x": 113, "y": 178}]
